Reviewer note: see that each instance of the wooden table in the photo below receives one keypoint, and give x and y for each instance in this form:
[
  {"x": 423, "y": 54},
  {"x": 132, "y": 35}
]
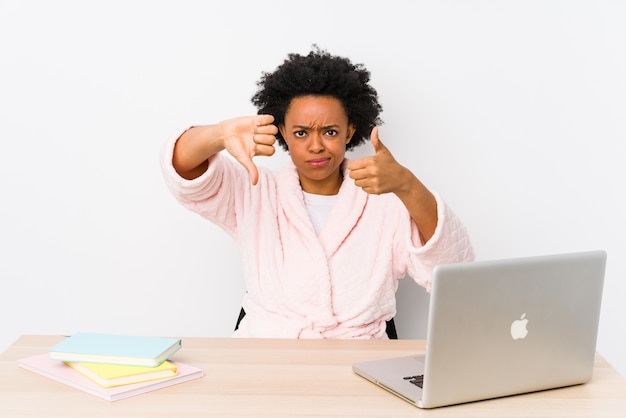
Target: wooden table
[{"x": 284, "y": 378}]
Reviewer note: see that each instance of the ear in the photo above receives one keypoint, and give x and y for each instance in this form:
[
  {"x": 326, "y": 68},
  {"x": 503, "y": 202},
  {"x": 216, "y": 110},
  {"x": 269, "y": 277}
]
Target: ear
[
  {"x": 281, "y": 129},
  {"x": 351, "y": 131}
]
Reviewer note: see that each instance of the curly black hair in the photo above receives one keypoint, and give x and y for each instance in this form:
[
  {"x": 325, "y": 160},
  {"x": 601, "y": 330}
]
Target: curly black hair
[{"x": 320, "y": 74}]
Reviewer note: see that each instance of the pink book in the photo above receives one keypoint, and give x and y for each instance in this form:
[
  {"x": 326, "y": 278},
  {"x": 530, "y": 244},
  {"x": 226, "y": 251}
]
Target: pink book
[{"x": 61, "y": 372}]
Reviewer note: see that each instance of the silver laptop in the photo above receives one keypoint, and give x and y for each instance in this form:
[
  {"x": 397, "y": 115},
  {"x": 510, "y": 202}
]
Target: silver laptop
[{"x": 500, "y": 328}]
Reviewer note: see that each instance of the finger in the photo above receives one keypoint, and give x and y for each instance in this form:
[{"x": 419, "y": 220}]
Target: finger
[
  {"x": 356, "y": 176},
  {"x": 253, "y": 171},
  {"x": 264, "y": 150},
  {"x": 262, "y": 120},
  {"x": 254, "y": 174},
  {"x": 264, "y": 139},
  {"x": 266, "y": 129},
  {"x": 376, "y": 142},
  {"x": 355, "y": 165}
]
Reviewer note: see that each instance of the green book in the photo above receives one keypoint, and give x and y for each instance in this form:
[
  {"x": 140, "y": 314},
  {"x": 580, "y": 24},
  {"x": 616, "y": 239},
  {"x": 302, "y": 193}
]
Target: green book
[{"x": 131, "y": 350}]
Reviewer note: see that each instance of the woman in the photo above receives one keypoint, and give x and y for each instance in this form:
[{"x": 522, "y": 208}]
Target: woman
[{"x": 324, "y": 240}]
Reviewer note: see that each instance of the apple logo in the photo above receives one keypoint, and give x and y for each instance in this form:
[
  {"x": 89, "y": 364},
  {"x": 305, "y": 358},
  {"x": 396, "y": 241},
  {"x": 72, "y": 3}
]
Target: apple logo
[{"x": 518, "y": 328}]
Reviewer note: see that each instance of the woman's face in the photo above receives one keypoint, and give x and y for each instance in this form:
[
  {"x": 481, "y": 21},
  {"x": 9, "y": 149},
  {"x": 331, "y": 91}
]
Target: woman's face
[{"x": 316, "y": 131}]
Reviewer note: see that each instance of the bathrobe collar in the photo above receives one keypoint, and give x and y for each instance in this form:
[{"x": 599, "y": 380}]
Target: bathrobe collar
[{"x": 341, "y": 220}]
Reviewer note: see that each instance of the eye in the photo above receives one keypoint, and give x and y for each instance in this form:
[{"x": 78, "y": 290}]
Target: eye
[
  {"x": 331, "y": 132},
  {"x": 299, "y": 134}
]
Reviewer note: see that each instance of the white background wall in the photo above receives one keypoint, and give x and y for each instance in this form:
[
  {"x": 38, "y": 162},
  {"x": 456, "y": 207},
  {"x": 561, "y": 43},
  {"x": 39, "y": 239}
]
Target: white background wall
[{"x": 514, "y": 111}]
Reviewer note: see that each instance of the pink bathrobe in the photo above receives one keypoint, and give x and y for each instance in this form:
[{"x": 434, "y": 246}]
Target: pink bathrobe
[{"x": 340, "y": 284}]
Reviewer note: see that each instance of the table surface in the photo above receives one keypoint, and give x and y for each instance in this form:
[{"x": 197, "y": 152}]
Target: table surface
[{"x": 284, "y": 378}]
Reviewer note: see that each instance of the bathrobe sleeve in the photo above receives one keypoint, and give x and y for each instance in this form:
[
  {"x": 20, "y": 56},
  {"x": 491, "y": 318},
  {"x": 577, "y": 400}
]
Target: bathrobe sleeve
[
  {"x": 216, "y": 194},
  {"x": 449, "y": 244}
]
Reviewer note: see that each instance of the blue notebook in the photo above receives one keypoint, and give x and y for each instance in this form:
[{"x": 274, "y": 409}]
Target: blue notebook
[{"x": 131, "y": 350}]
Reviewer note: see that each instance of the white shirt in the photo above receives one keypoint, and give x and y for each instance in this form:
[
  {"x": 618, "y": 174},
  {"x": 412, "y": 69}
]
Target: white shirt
[{"x": 319, "y": 207}]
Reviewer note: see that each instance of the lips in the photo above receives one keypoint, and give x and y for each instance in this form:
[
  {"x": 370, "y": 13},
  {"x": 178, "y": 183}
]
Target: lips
[{"x": 318, "y": 162}]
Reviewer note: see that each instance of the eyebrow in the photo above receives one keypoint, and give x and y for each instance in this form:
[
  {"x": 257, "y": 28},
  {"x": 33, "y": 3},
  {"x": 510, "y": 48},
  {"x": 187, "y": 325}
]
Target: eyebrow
[{"x": 303, "y": 127}]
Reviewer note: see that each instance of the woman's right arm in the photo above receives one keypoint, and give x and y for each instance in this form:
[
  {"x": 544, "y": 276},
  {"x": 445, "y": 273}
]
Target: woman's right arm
[
  {"x": 243, "y": 138},
  {"x": 193, "y": 149}
]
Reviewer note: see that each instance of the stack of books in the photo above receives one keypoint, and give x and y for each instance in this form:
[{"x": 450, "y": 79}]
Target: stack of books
[{"x": 113, "y": 366}]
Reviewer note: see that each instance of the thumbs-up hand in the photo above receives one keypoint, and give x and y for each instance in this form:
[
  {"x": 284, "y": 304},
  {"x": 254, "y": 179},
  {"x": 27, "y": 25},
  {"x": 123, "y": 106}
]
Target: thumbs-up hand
[
  {"x": 379, "y": 173},
  {"x": 247, "y": 137}
]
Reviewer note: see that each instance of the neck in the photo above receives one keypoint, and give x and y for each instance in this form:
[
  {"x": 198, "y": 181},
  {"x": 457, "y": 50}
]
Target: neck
[{"x": 328, "y": 186}]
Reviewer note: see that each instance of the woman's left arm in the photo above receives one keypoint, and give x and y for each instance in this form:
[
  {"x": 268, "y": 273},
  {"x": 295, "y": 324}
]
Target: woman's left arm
[{"x": 381, "y": 173}]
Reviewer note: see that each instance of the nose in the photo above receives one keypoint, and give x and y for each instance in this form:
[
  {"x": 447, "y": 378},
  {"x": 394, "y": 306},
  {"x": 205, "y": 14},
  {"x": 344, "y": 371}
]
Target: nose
[{"x": 316, "y": 144}]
